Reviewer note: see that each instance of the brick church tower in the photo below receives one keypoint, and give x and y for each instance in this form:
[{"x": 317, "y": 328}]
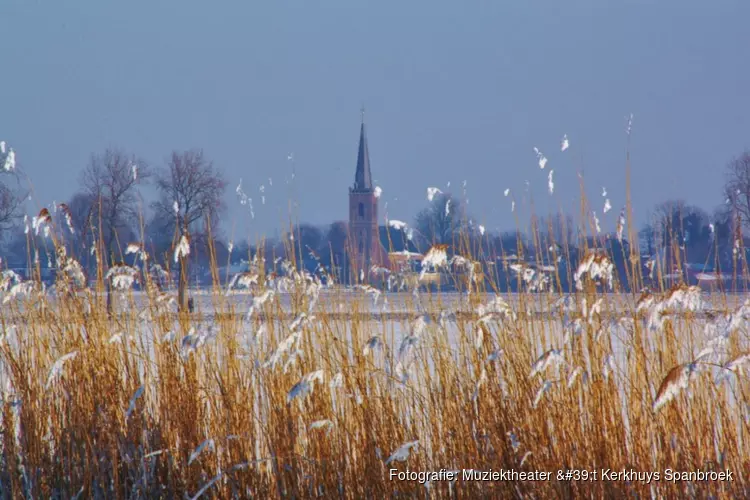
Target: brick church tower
[{"x": 364, "y": 244}]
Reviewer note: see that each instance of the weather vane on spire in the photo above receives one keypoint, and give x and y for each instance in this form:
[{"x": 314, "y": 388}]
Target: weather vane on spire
[{"x": 362, "y": 110}]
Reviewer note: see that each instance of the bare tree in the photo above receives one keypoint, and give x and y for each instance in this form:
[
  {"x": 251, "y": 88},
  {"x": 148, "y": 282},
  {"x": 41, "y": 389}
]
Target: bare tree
[
  {"x": 11, "y": 202},
  {"x": 677, "y": 222},
  {"x": 82, "y": 207},
  {"x": 680, "y": 234},
  {"x": 110, "y": 183},
  {"x": 440, "y": 221},
  {"x": 83, "y": 213},
  {"x": 308, "y": 238},
  {"x": 334, "y": 251},
  {"x": 737, "y": 186},
  {"x": 11, "y": 194},
  {"x": 191, "y": 192},
  {"x": 647, "y": 240}
]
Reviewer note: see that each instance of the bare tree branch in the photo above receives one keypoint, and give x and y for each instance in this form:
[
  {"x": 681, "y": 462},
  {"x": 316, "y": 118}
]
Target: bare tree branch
[
  {"x": 196, "y": 186},
  {"x": 11, "y": 203},
  {"x": 737, "y": 186},
  {"x": 191, "y": 191},
  {"x": 111, "y": 182},
  {"x": 12, "y": 195},
  {"x": 441, "y": 220}
]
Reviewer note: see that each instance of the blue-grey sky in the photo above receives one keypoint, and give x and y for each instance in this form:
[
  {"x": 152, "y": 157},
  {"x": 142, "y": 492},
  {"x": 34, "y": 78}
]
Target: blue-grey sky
[{"x": 453, "y": 91}]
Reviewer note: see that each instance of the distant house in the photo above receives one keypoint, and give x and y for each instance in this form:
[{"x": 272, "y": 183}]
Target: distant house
[{"x": 402, "y": 253}]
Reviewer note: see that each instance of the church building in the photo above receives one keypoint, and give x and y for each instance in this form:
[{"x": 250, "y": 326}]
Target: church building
[{"x": 364, "y": 245}]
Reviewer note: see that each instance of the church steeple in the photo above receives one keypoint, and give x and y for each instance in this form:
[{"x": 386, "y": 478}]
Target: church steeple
[
  {"x": 364, "y": 247},
  {"x": 363, "y": 177}
]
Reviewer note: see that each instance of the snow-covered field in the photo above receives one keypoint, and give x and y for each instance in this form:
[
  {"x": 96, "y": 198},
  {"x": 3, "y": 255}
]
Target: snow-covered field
[{"x": 340, "y": 301}]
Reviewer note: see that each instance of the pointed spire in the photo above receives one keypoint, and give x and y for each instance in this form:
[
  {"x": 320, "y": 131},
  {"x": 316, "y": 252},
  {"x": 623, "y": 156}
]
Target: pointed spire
[{"x": 363, "y": 177}]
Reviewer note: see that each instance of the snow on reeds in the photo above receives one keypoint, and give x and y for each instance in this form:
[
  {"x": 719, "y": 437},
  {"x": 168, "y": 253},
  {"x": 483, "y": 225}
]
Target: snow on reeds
[
  {"x": 542, "y": 160},
  {"x": 42, "y": 222},
  {"x": 469, "y": 266},
  {"x": 72, "y": 270},
  {"x": 534, "y": 278},
  {"x": 597, "y": 267},
  {"x": 57, "y": 367},
  {"x": 137, "y": 250},
  {"x": 243, "y": 280},
  {"x": 194, "y": 340},
  {"x": 68, "y": 215},
  {"x": 620, "y": 225},
  {"x": 546, "y": 386},
  {"x": 551, "y": 358},
  {"x": 8, "y": 278},
  {"x": 573, "y": 376},
  {"x": 322, "y": 424},
  {"x": 736, "y": 365},
  {"x": 122, "y": 276},
  {"x": 316, "y": 381},
  {"x": 676, "y": 381},
  {"x": 495, "y": 308},
  {"x": 401, "y": 454},
  {"x": 679, "y": 299},
  {"x": 435, "y": 259},
  {"x": 565, "y": 143},
  {"x": 305, "y": 385},
  {"x": 183, "y": 248},
  {"x": 7, "y": 157},
  {"x": 431, "y": 192},
  {"x": 284, "y": 347}
]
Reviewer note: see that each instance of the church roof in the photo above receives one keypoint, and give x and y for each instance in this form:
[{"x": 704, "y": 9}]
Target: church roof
[
  {"x": 363, "y": 177},
  {"x": 395, "y": 240}
]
